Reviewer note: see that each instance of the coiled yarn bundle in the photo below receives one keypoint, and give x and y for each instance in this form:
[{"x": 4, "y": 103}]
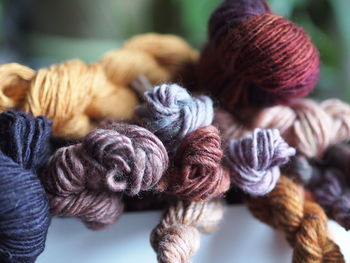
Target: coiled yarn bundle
[
  {"x": 73, "y": 94},
  {"x": 172, "y": 113},
  {"x": 256, "y": 58},
  {"x": 255, "y": 161},
  {"x": 24, "y": 207},
  {"x": 85, "y": 179}
]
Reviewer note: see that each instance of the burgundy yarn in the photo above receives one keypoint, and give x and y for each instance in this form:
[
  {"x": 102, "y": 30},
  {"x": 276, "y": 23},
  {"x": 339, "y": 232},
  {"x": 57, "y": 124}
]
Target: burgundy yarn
[
  {"x": 255, "y": 57},
  {"x": 84, "y": 180},
  {"x": 197, "y": 173}
]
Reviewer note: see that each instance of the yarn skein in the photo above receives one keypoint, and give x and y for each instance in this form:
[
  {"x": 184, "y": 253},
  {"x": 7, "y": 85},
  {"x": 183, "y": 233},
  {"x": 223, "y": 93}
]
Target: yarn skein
[
  {"x": 176, "y": 239},
  {"x": 24, "y": 207},
  {"x": 308, "y": 126},
  {"x": 85, "y": 179},
  {"x": 171, "y": 113},
  {"x": 255, "y": 57},
  {"x": 255, "y": 160},
  {"x": 74, "y": 95},
  {"x": 160, "y": 58},
  {"x": 303, "y": 222}
]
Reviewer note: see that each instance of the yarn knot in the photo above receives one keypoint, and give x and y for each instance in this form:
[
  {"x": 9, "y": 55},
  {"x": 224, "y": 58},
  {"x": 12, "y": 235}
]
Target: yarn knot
[
  {"x": 125, "y": 159},
  {"x": 171, "y": 113},
  {"x": 197, "y": 173},
  {"x": 255, "y": 160}
]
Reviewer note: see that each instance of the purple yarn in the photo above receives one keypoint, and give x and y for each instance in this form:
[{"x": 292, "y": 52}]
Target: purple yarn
[
  {"x": 172, "y": 113},
  {"x": 233, "y": 12},
  {"x": 333, "y": 194},
  {"x": 24, "y": 209},
  {"x": 255, "y": 160}
]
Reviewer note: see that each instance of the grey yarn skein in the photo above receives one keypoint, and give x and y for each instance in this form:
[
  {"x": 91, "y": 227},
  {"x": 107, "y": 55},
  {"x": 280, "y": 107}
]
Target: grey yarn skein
[{"x": 171, "y": 113}]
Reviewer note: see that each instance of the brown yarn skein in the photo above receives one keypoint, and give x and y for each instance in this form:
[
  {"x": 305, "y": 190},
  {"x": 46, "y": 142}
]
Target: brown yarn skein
[
  {"x": 85, "y": 180},
  {"x": 304, "y": 222},
  {"x": 197, "y": 173}
]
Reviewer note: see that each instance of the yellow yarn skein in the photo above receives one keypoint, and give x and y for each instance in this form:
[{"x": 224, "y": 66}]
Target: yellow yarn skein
[{"x": 74, "y": 95}]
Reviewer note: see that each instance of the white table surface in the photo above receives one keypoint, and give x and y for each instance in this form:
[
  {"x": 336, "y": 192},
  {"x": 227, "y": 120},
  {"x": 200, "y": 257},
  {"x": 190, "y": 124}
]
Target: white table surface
[{"x": 239, "y": 238}]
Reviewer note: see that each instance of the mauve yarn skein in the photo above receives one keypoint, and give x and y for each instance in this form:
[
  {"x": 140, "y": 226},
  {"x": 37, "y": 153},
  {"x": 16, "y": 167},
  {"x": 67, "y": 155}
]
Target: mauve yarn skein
[
  {"x": 255, "y": 57},
  {"x": 24, "y": 207},
  {"x": 197, "y": 173},
  {"x": 328, "y": 185},
  {"x": 84, "y": 179},
  {"x": 172, "y": 113},
  {"x": 255, "y": 160},
  {"x": 333, "y": 195}
]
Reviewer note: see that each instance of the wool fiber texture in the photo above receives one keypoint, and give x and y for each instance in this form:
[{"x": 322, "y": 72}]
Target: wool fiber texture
[{"x": 24, "y": 207}]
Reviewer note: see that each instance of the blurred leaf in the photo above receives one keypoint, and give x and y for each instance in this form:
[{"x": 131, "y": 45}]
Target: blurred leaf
[{"x": 195, "y": 15}]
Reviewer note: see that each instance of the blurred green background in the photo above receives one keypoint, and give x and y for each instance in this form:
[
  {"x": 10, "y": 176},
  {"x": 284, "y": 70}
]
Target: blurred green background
[{"x": 41, "y": 32}]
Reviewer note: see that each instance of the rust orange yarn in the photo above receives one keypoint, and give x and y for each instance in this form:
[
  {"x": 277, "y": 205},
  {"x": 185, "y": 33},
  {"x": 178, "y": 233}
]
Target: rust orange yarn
[
  {"x": 303, "y": 221},
  {"x": 73, "y": 95},
  {"x": 197, "y": 173}
]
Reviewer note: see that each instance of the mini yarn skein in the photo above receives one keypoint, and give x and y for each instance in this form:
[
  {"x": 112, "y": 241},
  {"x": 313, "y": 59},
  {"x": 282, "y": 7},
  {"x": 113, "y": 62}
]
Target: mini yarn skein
[
  {"x": 24, "y": 207},
  {"x": 171, "y": 113},
  {"x": 255, "y": 57},
  {"x": 197, "y": 173},
  {"x": 176, "y": 239},
  {"x": 255, "y": 160},
  {"x": 84, "y": 179},
  {"x": 303, "y": 222},
  {"x": 332, "y": 193}
]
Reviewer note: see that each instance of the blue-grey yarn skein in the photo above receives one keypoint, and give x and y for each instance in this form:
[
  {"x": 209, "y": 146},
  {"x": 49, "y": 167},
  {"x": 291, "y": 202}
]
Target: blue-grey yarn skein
[
  {"x": 171, "y": 113},
  {"x": 24, "y": 208}
]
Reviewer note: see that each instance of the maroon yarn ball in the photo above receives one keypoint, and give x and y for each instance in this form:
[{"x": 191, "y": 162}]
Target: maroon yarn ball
[{"x": 255, "y": 57}]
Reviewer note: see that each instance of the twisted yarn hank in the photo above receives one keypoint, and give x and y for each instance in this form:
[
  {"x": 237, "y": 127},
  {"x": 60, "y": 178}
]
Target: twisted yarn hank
[
  {"x": 172, "y": 113},
  {"x": 69, "y": 94},
  {"x": 197, "y": 173},
  {"x": 255, "y": 160},
  {"x": 303, "y": 222},
  {"x": 84, "y": 180},
  {"x": 305, "y": 125},
  {"x": 24, "y": 208},
  {"x": 161, "y": 58},
  {"x": 255, "y": 57},
  {"x": 73, "y": 95},
  {"x": 176, "y": 239}
]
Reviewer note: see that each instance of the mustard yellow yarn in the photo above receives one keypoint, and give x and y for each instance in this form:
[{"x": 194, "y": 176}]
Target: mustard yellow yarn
[{"x": 74, "y": 95}]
